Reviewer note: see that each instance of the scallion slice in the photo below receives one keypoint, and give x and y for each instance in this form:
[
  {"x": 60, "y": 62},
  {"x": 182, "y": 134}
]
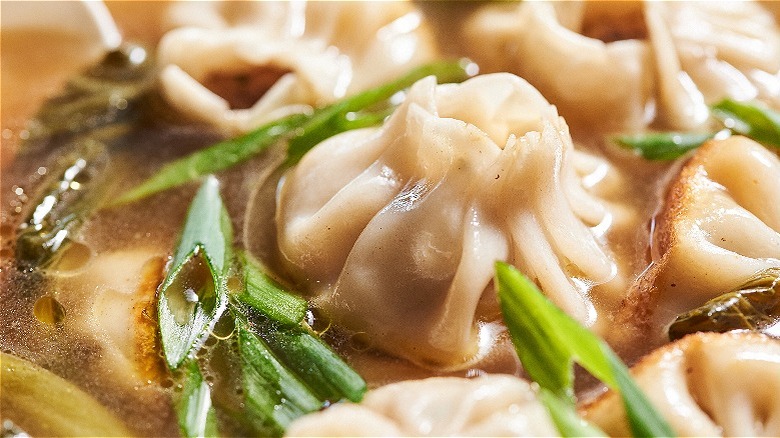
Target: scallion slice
[
  {"x": 548, "y": 342},
  {"x": 193, "y": 295}
]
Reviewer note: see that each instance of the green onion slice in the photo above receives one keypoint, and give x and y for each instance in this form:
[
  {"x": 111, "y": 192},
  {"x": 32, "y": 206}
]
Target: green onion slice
[
  {"x": 548, "y": 342},
  {"x": 193, "y": 294}
]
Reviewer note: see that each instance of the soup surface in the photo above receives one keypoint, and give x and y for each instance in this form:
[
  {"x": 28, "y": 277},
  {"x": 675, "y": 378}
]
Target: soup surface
[{"x": 88, "y": 314}]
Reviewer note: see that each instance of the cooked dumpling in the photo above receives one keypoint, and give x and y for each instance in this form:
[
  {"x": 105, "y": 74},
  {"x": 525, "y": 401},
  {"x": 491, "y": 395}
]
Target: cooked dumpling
[
  {"x": 491, "y": 405},
  {"x": 637, "y": 62},
  {"x": 282, "y": 59},
  {"x": 720, "y": 226},
  {"x": 396, "y": 230},
  {"x": 114, "y": 295},
  {"x": 707, "y": 384}
]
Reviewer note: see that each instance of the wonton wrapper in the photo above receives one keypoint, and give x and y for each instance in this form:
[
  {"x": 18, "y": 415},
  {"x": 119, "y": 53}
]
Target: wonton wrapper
[
  {"x": 707, "y": 384},
  {"x": 623, "y": 65},
  {"x": 396, "y": 230},
  {"x": 273, "y": 59},
  {"x": 114, "y": 294},
  {"x": 720, "y": 226},
  {"x": 491, "y": 405}
]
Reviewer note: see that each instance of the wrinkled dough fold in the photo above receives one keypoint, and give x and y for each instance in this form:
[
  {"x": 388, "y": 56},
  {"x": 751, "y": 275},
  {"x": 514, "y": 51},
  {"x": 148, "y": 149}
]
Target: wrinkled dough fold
[{"x": 396, "y": 230}]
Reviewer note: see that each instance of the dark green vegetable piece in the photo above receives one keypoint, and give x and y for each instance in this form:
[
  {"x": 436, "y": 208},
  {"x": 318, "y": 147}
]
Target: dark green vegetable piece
[
  {"x": 754, "y": 306},
  {"x": 303, "y": 131},
  {"x": 750, "y": 119},
  {"x": 328, "y": 376},
  {"x": 273, "y": 396},
  {"x": 193, "y": 295},
  {"x": 193, "y": 403},
  {"x": 106, "y": 94},
  {"x": 548, "y": 342},
  {"x": 73, "y": 189},
  {"x": 663, "y": 145},
  {"x": 267, "y": 297}
]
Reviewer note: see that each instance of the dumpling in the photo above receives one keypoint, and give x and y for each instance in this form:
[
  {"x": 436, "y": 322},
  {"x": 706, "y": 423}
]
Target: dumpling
[
  {"x": 490, "y": 405},
  {"x": 707, "y": 384},
  {"x": 114, "y": 292},
  {"x": 280, "y": 59},
  {"x": 396, "y": 230},
  {"x": 719, "y": 227},
  {"x": 637, "y": 62}
]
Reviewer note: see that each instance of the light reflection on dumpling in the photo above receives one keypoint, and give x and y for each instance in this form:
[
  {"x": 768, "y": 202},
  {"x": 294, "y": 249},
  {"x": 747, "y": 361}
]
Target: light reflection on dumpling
[{"x": 395, "y": 230}]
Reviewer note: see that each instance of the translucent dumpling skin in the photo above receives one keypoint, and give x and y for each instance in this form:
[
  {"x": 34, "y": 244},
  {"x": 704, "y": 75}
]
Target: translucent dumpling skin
[
  {"x": 396, "y": 230},
  {"x": 707, "y": 384},
  {"x": 237, "y": 65},
  {"x": 491, "y": 405},
  {"x": 719, "y": 227},
  {"x": 642, "y": 62}
]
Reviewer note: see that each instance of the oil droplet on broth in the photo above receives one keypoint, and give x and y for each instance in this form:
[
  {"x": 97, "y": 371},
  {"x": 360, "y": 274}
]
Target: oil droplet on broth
[
  {"x": 74, "y": 257},
  {"x": 192, "y": 285},
  {"x": 48, "y": 310}
]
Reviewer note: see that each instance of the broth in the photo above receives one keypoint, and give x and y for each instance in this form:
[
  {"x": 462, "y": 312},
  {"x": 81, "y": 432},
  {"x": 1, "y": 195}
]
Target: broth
[{"x": 50, "y": 319}]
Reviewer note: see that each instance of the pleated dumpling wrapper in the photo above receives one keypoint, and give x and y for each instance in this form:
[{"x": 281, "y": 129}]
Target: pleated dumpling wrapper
[
  {"x": 490, "y": 405},
  {"x": 625, "y": 65},
  {"x": 707, "y": 384},
  {"x": 283, "y": 58},
  {"x": 719, "y": 227},
  {"x": 395, "y": 230}
]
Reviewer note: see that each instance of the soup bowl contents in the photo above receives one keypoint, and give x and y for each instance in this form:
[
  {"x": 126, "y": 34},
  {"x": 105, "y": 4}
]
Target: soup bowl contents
[{"x": 320, "y": 218}]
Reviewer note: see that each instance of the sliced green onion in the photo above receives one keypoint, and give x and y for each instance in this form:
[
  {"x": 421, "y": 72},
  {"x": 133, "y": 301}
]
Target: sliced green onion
[
  {"x": 328, "y": 376},
  {"x": 42, "y": 403},
  {"x": 303, "y": 131},
  {"x": 548, "y": 342},
  {"x": 215, "y": 158},
  {"x": 74, "y": 188},
  {"x": 566, "y": 418},
  {"x": 274, "y": 396},
  {"x": 193, "y": 404},
  {"x": 750, "y": 119},
  {"x": 267, "y": 297},
  {"x": 193, "y": 294},
  {"x": 662, "y": 145}
]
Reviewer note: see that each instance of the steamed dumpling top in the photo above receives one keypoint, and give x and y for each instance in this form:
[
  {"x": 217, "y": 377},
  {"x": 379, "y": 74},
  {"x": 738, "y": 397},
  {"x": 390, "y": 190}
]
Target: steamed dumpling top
[
  {"x": 240, "y": 69},
  {"x": 638, "y": 62},
  {"x": 491, "y": 405},
  {"x": 719, "y": 227},
  {"x": 707, "y": 384},
  {"x": 395, "y": 230}
]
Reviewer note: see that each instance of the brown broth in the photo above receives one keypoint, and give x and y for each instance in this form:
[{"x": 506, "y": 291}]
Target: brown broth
[{"x": 70, "y": 350}]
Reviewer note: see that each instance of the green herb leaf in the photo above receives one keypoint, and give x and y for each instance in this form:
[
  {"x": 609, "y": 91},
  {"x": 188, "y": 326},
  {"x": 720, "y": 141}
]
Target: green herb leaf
[
  {"x": 193, "y": 294},
  {"x": 548, "y": 341},
  {"x": 753, "y": 306},
  {"x": 328, "y": 376},
  {"x": 193, "y": 404},
  {"x": 750, "y": 119},
  {"x": 663, "y": 145},
  {"x": 267, "y": 297},
  {"x": 565, "y": 417},
  {"x": 71, "y": 192},
  {"x": 274, "y": 396},
  {"x": 303, "y": 132},
  {"x": 45, "y": 404}
]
